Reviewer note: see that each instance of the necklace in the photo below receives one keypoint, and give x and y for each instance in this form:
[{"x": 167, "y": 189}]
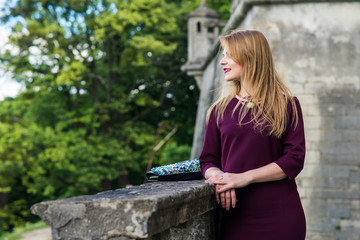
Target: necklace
[{"x": 249, "y": 104}]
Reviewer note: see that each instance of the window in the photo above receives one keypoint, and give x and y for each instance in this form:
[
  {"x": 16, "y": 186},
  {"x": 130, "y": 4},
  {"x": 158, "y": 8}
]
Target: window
[{"x": 198, "y": 27}]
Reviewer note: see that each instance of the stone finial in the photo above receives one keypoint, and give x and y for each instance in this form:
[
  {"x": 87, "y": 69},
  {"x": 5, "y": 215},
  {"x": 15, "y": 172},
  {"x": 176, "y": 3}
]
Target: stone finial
[{"x": 203, "y": 11}]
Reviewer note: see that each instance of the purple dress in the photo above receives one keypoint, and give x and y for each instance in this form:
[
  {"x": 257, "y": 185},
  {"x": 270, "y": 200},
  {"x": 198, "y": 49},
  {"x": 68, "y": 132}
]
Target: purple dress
[{"x": 269, "y": 210}]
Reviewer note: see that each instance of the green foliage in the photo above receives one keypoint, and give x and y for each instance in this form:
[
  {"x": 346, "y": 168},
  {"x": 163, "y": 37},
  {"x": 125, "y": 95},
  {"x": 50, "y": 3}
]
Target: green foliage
[
  {"x": 220, "y": 6},
  {"x": 100, "y": 77},
  {"x": 174, "y": 153},
  {"x": 16, "y": 234}
]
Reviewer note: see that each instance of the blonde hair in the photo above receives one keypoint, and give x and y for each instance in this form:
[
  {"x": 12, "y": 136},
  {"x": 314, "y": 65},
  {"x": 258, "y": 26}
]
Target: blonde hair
[{"x": 250, "y": 49}]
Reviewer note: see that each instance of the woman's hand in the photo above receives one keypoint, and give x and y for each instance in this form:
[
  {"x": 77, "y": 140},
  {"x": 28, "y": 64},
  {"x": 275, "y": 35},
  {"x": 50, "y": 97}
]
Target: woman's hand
[
  {"x": 213, "y": 172},
  {"x": 225, "y": 187},
  {"x": 229, "y": 181},
  {"x": 227, "y": 199},
  {"x": 226, "y": 183}
]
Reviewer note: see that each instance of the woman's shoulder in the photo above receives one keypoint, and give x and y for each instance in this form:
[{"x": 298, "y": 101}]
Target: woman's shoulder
[
  {"x": 291, "y": 100},
  {"x": 296, "y": 99},
  {"x": 294, "y": 109}
]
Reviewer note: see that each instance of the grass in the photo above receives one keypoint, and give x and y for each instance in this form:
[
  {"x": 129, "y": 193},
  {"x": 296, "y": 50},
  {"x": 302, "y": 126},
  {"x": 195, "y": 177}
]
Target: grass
[{"x": 16, "y": 234}]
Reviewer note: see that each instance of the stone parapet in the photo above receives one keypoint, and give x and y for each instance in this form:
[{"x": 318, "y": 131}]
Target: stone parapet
[{"x": 163, "y": 210}]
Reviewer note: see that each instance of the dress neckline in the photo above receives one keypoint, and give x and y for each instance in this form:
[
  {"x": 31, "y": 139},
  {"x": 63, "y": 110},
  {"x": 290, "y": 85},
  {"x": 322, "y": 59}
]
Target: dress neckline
[
  {"x": 243, "y": 99},
  {"x": 246, "y": 100}
]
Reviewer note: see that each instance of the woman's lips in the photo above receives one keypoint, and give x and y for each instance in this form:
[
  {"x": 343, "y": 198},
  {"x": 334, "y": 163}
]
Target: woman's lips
[{"x": 226, "y": 70}]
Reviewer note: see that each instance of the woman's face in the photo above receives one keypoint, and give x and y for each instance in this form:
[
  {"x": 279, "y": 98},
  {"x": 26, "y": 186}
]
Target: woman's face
[{"x": 232, "y": 70}]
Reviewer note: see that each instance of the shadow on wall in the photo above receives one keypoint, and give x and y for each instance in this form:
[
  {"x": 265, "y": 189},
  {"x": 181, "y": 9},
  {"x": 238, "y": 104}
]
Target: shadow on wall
[{"x": 333, "y": 174}]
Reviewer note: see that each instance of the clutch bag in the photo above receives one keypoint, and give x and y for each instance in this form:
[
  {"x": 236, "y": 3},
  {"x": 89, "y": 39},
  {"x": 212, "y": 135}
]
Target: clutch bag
[{"x": 181, "y": 171}]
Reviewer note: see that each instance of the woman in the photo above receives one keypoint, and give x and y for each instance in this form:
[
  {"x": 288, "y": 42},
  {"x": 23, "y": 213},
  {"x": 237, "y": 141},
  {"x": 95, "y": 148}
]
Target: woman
[{"x": 254, "y": 145}]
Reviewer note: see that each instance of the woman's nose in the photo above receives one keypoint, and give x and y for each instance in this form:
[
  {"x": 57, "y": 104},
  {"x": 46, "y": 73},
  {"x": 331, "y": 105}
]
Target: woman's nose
[{"x": 222, "y": 61}]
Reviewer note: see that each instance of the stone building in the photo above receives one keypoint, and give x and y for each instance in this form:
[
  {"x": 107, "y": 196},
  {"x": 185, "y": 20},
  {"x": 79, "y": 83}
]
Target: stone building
[{"x": 316, "y": 48}]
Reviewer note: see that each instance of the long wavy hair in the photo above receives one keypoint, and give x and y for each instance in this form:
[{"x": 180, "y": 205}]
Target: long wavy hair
[{"x": 250, "y": 49}]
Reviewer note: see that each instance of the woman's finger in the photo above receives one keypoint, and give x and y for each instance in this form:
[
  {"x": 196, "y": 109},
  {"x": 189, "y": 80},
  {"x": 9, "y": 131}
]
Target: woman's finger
[
  {"x": 223, "y": 200},
  {"x": 216, "y": 180},
  {"x": 217, "y": 195},
  {"x": 233, "y": 198},
  {"x": 228, "y": 199},
  {"x": 224, "y": 187}
]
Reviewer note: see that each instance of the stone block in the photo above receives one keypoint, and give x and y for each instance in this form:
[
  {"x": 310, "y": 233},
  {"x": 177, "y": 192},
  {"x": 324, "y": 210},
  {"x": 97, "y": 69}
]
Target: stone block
[
  {"x": 340, "y": 211},
  {"x": 355, "y": 176},
  {"x": 328, "y": 171},
  {"x": 307, "y": 99},
  {"x": 315, "y": 207},
  {"x": 351, "y": 135},
  {"x": 312, "y": 235},
  {"x": 310, "y": 110},
  {"x": 348, "y": 122},
  {"x": 316, "y": 224},
  {"x": 296, "y": 88},
  {"x": 140, "y": 212},
  {"x": 339, "y": 159},
  {"x": 349, "y": 224},
  {"x": 324, "y": 135},
  {"x": 318, "y": 121},
  {"x": 332, "y": 193},
  {"x": 347, "y": 234},
  {"x": 313, "y": 87},
  {"x": 315, "y": 182},
  {"x": 312, "y": 157}
]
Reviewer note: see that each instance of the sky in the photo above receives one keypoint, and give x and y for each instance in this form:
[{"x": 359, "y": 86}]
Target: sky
[{"x": 8, "y": 87}]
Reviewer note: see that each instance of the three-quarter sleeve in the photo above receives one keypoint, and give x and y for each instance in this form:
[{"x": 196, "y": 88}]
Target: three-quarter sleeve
[
  {"x": 211, "y": 153},
  {"x": 293, "y": 141}
]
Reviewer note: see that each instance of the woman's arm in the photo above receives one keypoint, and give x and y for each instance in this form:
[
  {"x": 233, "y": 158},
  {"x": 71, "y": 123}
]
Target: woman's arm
[
  {"x": 293, "y": 141},
  {"x": 270, "y": 172},
  {"x": 210, "y": 157},
  {"x": 227, "y": 181}
]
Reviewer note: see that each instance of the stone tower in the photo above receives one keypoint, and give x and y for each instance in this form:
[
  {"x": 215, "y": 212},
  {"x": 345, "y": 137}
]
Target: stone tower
[{"x": 203, "y": 30}]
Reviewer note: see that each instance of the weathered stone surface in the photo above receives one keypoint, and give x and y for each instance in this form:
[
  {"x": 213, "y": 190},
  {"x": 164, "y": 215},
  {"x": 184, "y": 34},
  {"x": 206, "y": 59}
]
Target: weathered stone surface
[{"x": 149, "y": 211}]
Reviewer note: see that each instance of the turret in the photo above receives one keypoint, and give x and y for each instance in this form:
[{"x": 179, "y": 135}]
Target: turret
[{"x": 203, "y": 29}]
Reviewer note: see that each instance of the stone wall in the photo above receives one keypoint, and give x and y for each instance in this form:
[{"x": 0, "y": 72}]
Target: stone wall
[
  {"x": 316, "y": 47},
  {"x": 154, "y": 211}
]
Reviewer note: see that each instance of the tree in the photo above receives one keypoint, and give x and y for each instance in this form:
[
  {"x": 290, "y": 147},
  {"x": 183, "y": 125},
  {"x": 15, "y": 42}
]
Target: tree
[{"x": 100, "y": 77}]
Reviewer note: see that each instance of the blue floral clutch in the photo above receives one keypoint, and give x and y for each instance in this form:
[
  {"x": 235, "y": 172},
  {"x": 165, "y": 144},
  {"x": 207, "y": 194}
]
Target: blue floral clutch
[{"x": 181, "y": 171}]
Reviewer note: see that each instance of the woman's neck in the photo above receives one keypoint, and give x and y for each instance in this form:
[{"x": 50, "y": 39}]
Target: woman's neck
[{"x": 244, "y": 93}]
